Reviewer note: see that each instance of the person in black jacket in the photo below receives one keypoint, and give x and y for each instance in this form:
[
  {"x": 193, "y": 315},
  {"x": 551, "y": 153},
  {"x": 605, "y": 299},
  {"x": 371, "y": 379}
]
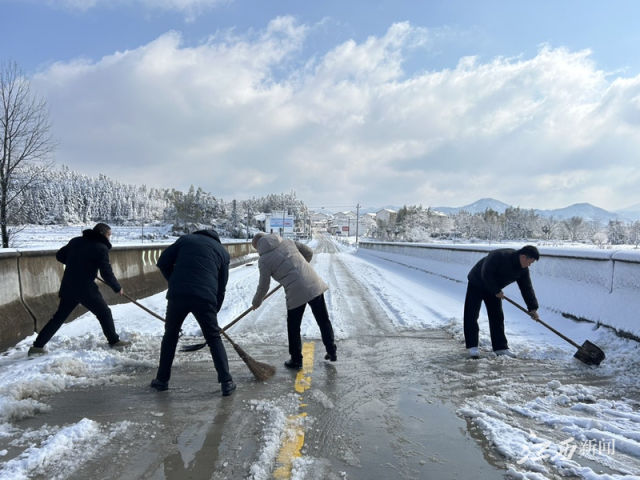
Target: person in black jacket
[
  {"x": 84, "y": 256},
  {"x": 197, "y": 269},
  {"x": 486, "y": 280}
]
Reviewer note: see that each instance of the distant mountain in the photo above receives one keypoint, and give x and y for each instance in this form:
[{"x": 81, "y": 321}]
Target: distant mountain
[
  {"x": 476, "y": 207},
  {"x": 585, "y": 210},
  {"x": 632, "y": 212}
]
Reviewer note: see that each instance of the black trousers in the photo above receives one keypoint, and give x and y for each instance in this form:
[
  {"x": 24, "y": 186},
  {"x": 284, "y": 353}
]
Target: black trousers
[
  {"x": 294, "y": 320},
  {"x": 92, "y": 302},
  {"x": 207, "y": 316},
  {"x": 472, "y": 303}
]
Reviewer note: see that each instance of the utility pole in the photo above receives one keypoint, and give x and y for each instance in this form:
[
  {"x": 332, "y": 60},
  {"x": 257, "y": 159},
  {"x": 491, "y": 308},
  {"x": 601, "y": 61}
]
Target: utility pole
[
  {"x": 357, "y": 222},
  {"x": 248, "y": 207}
]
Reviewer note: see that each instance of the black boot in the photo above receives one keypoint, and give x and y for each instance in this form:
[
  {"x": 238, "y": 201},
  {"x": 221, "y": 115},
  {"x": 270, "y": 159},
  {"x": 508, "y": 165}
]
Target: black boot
[
  {"x": 159, "y": 385},
  {"x": 293, "y": 365},
  {"x": 331, "y": 356},
  {"x": 227, "y": 388}
]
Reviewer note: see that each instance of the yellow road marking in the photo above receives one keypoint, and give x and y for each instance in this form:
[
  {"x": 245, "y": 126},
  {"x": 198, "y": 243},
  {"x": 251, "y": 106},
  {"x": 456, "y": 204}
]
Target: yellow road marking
[
  {"x": 303, "y": 381},
  {"x": 292, "y": 445}
]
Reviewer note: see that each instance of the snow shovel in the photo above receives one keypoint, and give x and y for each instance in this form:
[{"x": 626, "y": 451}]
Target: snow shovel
[
  {"x": 587, "y": 353},
  {"x": 198, "y": 346}
]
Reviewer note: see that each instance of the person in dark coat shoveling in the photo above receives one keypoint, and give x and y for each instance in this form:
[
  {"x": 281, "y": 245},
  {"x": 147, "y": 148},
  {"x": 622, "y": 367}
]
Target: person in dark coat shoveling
[
  {"x": 83, "y": 257},
  {"x": 197, "y": 269},
  {"x": 288, "y": 263},
  {"x": 486, "y": 280}
]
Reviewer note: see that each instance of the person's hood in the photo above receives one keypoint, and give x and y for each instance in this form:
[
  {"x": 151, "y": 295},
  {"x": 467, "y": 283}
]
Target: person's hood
[
  {"x": 268, "y": 243},
  {"x": 209, "y": 233},
  {"x": 96, "y": 237}
]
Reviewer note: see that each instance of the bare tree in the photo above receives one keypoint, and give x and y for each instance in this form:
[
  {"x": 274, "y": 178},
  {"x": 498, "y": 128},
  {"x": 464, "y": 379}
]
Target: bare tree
[
  {"x": 574, "y": 227},
  {"x": 26, "y": 142},
  {"x": 634, "y": 233},
  {"x": 616, "y": 231},
  {"x": 549, "y": 226}
]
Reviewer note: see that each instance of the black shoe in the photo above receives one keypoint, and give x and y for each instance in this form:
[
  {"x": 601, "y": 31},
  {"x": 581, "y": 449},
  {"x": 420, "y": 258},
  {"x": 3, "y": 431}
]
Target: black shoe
[
  {"x": 36, "y": 351},
  {"x": 228, "y": 388},
  {"x": 331, "y": 356},
  {"x": 293, "y": 365},
  {"x": 158, "y": 385}
]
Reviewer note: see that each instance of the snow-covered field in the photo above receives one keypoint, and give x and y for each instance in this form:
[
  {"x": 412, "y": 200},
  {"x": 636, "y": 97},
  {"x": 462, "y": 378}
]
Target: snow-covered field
[
  {"x": 52, "y": 236},
  {"x": 534, "y": 427}
]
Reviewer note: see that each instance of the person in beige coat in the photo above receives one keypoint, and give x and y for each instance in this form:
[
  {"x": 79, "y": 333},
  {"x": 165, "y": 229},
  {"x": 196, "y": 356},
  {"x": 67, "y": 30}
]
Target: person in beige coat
[{"x": 288, "y": 262}]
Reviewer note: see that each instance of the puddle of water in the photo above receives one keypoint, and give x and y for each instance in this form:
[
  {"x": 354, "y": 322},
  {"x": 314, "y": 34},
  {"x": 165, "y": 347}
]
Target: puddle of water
[
  {"x": 447, "y": 450},
  {"x": 198, "y": 450},
  {"x": 414, "y": 439}
]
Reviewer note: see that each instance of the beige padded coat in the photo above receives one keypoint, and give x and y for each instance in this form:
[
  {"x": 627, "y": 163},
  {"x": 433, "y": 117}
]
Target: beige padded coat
[{"x": 288, "y": 263}]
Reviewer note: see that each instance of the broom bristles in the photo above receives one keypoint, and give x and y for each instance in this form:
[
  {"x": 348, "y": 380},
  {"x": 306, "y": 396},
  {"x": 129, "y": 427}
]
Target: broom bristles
[{"x": 262, "y": 371}]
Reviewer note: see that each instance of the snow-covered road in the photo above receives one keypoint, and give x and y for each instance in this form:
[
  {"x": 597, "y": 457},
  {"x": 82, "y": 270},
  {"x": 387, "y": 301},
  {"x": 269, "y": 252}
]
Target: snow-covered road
[{"x": 401, "y": 402}]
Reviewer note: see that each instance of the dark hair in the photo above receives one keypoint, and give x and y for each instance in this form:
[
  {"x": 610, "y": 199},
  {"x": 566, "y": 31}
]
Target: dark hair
[
  {"x": 102, "y": 228},
  {"x": 530, "y": 251}
]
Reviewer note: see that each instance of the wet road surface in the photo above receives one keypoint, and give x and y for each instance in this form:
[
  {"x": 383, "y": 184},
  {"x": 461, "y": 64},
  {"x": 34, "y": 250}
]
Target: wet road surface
[{"x": 389, "y": 408}]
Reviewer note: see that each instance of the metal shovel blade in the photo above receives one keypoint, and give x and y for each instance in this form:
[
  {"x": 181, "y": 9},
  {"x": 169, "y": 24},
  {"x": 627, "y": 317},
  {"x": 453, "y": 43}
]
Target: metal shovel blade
[{"x": 590, "y": 354}]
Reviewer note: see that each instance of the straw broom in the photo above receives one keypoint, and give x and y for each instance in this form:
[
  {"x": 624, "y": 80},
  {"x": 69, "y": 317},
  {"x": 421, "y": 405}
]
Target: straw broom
[{"x": 262, "y": 371}]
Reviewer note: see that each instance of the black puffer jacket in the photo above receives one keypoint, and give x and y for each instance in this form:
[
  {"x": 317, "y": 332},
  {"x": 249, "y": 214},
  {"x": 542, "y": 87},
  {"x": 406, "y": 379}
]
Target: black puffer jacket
[
  {"x": 196, "y": 265},
  {"x": 84, "y": 256},
  {"x": 501, "y": 268}
]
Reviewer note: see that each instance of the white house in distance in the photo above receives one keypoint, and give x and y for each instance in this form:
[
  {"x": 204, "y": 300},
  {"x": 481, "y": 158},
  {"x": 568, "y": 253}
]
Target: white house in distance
[
  {"x": 321, "y": 220},
  {"x": 385, "y": 215},
  {"x": 344, "y": 223},
  {"x": 344, "y": 215}
]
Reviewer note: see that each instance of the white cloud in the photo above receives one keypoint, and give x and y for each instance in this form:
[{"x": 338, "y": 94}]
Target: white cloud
[{"x": 244, "y": 115}]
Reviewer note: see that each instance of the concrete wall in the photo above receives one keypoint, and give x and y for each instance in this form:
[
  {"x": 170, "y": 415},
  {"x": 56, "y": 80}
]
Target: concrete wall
[
  {"x": 601, "y": 286},
  {"x": 30, "y": 280},
  {"x": 15, "y": 321}
]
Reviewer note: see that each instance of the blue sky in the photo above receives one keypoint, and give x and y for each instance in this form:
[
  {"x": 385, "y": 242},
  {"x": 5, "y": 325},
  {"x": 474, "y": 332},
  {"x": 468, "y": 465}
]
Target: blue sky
[{"x": 536, "y": 104}]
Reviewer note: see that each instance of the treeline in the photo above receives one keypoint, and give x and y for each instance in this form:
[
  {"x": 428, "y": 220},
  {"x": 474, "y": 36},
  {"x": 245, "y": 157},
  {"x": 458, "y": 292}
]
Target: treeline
[
  {"x": 417, "y": 224},
  {"x": 66, "y": 197}
]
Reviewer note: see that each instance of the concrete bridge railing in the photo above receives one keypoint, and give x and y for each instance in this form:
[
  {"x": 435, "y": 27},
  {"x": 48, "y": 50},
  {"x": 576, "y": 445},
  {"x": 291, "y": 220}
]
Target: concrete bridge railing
[{"x": 30, "y": 280}]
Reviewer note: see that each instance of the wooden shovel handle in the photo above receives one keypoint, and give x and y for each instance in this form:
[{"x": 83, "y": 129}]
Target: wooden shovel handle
[{"x": 543, "y": 323}]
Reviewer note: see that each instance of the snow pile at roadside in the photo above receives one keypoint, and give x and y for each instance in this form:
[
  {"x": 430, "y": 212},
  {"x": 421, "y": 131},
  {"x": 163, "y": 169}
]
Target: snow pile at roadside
[
  {"x": 561, "y": 427},
  {"x": 23, "y": 384},
  {"x": 61, "y": 452}
]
